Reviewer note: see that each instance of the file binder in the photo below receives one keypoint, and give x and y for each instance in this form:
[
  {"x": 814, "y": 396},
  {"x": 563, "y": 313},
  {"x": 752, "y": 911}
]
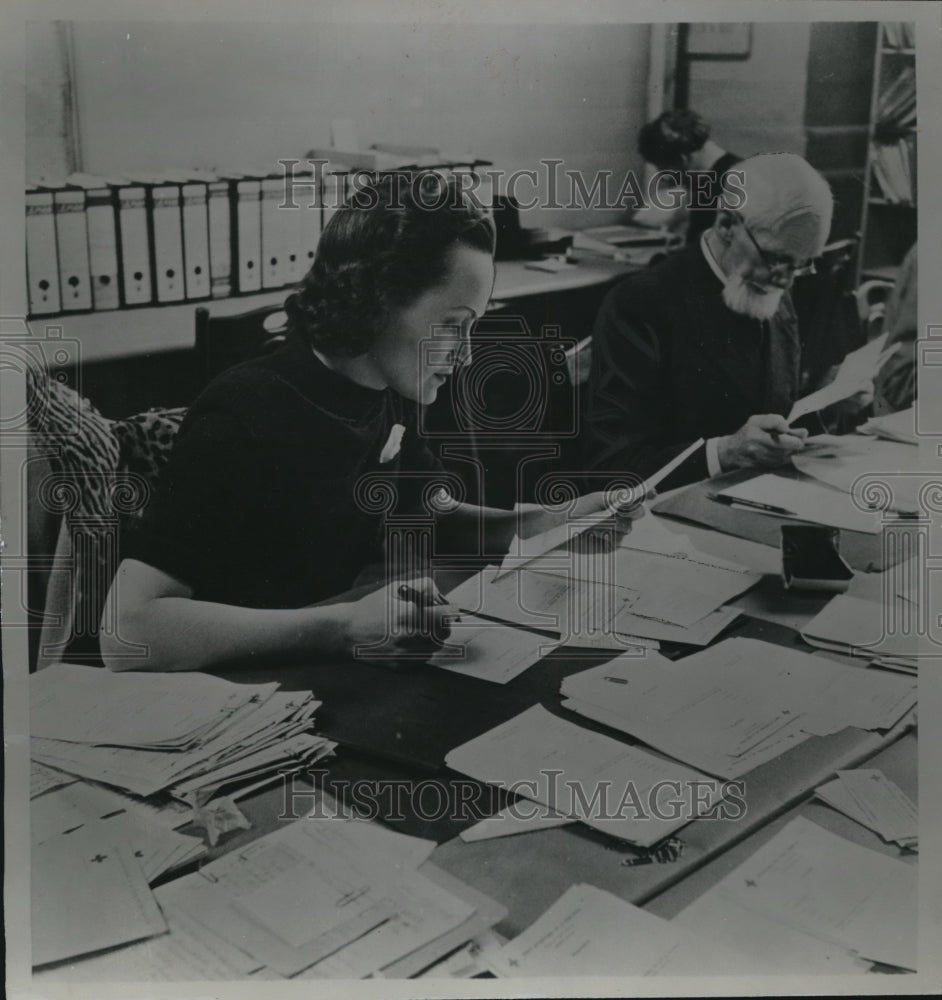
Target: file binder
[
  {"x": 196, "y": 239},
  {"x": 102, "y": 238},
  {"x": 220, "y": 237},
  {"x": 273, "y": 233},
  {"x": 295, "y": 240},
  {"x": 134, "y": 245},
  {"x": 72, "y": 246},
  {"x": 248, "y": 235},
  {"x": 167, "y": 233},
  {"x": 309, "y": 222},
  {"x": 42, "y": 265}
]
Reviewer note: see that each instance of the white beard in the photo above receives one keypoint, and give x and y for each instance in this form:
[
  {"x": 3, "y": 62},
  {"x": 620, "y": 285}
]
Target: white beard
[{"x": 739, "y": 297}]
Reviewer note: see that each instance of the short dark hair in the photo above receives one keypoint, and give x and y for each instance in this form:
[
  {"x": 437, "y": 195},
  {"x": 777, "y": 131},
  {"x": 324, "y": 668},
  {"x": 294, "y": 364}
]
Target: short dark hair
[
  {"x": 666, "y": 140},
  {"x": 386, "y": 246}
]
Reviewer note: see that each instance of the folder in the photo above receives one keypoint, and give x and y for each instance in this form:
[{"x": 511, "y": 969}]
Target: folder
[
  {"x": 296, "y": 237},
  {"x": 273, "y": 232},
  {"x": 72, "y": 246},
  {"x": 247, "y": 230},
  {"x": 196, "y": 239},
  {"x": 220, "y": 237},
  {"x": 102, "y": 237},
  {"x": 134, "y": 245},
  {"x": 310, "y": 224},
  {"x": 167, "y": 241},
  {"x": 42, "y": 265}
]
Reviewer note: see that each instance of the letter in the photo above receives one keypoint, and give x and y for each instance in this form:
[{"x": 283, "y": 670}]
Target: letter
[
  {"x": 291, "y": 182},
  {"x": 512, "y": 188},
  {"x": 630, "y": 196},
  {"x": 417, "y": 792},
  {"x": 675, "y": 191},
  {"x": 291, "y": 793},
  {"x": 583, "y": 808},
  {"x": 599, "y": 187},
  {"x": 700, "y": 804},
  {"x": 676, "y": 802},
  {"x": 466, "y": 793},
  {"x": 733, "y": 805},
  {"x": 631, "y": 795},
  {"x": 552, "y": 177},
  {"x": 552, "y": 790},
  {"x": 364, "y": 796},
  {"x": 701, "y": 183},
  {"x": 734, "y": 194}
]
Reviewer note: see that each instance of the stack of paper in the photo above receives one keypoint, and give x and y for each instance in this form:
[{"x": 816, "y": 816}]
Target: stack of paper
[
  {"x": 89, "y": 807},
  {"x": 812, "y": 901},
  {"x": 869, "y": 797},
  {"x": 863, "y": 470},
  {"x": 331, "y": 897},
  {"x": 737, "y": 705},
  {"x": 618, "y": 600},
  {"x": 856, "y": 372},
  {"x": 886, "y": 631},
  {"x": 89, "y": 892},
  {"x": 584, "y": 775},
  {"x": 899, "y": 426},
  {"x": 590, "y": 932},
  {"x": 186, "y": 734},
  {"x": 803, "y": 499}
]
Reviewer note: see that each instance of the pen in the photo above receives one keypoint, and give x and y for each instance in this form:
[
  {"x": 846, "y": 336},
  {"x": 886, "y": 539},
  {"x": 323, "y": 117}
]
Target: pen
[
  {"x": 422, "y": 601},
  {"x": 736, "y": 501}
]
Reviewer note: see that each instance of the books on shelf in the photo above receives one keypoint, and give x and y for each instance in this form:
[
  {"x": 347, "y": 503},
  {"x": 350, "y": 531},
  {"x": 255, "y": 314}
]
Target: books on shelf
[
  {"x": 899, "y": 34},
  {"x": 894, "y": 170}
]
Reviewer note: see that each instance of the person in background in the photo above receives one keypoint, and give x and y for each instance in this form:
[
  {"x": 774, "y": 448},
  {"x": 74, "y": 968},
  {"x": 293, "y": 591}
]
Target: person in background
[
  {"x": 895, "y": 386},
  {"x": 705, "y": 343},
  {"x": 678, "y": 142},
  {"x": 277, "y": 490}
]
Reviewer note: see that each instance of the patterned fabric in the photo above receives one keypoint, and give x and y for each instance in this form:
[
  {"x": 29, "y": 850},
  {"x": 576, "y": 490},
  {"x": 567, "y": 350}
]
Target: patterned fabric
[{"x": 102, "y": 475}]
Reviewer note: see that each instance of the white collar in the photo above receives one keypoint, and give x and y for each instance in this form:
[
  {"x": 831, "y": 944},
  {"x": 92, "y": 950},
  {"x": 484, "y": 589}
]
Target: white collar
[{"x": 710, "y": 259}]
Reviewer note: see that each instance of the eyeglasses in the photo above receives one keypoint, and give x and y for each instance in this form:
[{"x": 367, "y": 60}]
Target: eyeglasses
[{"x": 778, "y": 264}]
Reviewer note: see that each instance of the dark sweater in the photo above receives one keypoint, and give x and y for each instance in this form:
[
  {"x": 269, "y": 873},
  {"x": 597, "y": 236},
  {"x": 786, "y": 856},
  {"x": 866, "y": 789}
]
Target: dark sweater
[
  {"x": 259, "y": 505},
  {"x": 672, "y": 363}
]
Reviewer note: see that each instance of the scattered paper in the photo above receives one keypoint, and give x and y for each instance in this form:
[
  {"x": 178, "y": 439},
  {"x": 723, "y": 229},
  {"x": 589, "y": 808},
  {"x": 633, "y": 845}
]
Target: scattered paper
[
  {"x": 584, "y": 775},
  {"x": 491, "y": 652},
  {"x": 868, "y": 796},
  {"x": 855, "y": 373},
  {"x": 44, "y": 779},
  {"x": 804, "y": 500},
  {"x": 899, "y": 426},
  {"x": 68, "y": 874},
  {"x": 590, "y": 932},
  {"x": 523, "y": 817}
]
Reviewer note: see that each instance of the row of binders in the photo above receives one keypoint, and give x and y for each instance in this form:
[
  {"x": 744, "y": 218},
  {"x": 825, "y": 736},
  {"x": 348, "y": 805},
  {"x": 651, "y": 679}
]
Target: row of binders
[
  {"x": 899, "y": 34},
  {"x": 96, "y": 242}
]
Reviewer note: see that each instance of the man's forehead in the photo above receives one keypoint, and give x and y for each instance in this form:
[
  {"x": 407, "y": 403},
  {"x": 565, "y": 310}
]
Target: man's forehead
[{"x": 796, "y": 234}]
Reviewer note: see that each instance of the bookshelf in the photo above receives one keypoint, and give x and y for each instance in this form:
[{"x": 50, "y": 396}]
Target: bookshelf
[{"x": 889, "y": 216}]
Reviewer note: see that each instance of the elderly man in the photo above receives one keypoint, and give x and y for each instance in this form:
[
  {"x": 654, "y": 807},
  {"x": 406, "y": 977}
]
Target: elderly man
[{"x": 705, "y": 344}]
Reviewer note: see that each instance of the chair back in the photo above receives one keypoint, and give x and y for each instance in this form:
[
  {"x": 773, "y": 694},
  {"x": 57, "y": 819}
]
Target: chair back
[{"x": 224, "y": 341}]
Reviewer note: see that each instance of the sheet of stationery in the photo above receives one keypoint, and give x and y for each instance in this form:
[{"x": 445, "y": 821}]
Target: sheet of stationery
[
  {"x": 591, "y": 932},
  {"x": 736, "y": 705},
  {"x": 324, "y": 896},
  {"x": 582, "y": 774},
  {"x": 820, "y": 885},
  {"x": 870, "y": 798}
]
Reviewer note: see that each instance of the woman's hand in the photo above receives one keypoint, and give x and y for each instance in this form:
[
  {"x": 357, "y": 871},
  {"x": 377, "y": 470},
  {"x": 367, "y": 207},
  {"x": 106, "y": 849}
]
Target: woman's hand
[{"x": 399, "y": 623}]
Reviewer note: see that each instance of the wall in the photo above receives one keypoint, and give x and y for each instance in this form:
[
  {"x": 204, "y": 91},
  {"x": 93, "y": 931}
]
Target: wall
[
  {"x": 757, "y": 104},
  {"x": 154, "y": 95}
]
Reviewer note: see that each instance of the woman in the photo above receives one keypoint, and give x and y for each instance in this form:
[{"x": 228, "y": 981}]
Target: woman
[{"x": 279, "y": 485}]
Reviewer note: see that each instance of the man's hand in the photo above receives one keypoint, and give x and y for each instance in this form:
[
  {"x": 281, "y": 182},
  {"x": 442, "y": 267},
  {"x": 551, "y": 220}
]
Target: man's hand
[
  {"x": 403, "y": 621},
  {"x": 763, "y": 440}
]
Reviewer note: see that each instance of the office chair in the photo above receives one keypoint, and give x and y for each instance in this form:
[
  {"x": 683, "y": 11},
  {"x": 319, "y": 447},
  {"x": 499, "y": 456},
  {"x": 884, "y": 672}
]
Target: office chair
[{"x": 224, "y": 341}]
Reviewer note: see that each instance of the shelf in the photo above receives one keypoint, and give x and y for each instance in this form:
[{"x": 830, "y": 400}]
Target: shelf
[
  {"x": 126, "y": 333},
  {"x": 889, "y": 50},
  {"x": 873, "y": 200}
]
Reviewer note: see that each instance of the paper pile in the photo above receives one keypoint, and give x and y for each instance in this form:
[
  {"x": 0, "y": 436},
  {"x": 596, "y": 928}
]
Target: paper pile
[
  {"x": 736, "y": 705},
  {"x": 327, "y": 897},
  {"x": 584, "y": 775},
  {"x": 899, "y": 426},
  {"x": 590, "y": 932},
  {"x": 185, "y": 734},
  {"x": 869, "y": 797},
  {"x": 624, "y": 600},
  {"x": 885, "y": 631},
  {"x": 810, "y": 901}
]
